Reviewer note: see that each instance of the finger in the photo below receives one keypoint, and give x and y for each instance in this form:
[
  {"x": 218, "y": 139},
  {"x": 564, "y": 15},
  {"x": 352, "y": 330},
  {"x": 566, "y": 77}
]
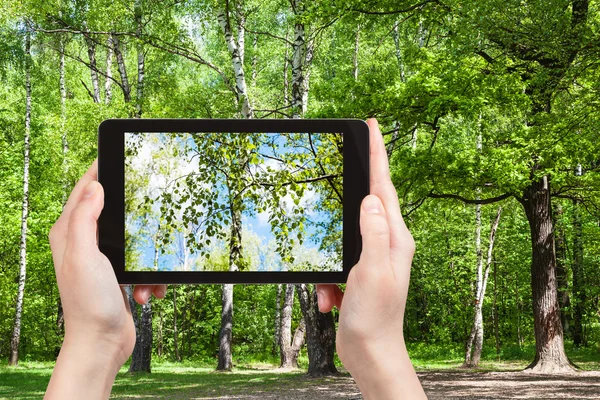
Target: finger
[
  {"x": 375, "y": 233},
  {"x": 381, "y": 186},
  {"x": 159, "y": 291},
  {"x": 82, "y": 228},
  {"x": 326, "y": 297},
  {"x": 58, "y": 233},
  {"x": 339, "y": 297},
  {"x": 141, "y": 293}
]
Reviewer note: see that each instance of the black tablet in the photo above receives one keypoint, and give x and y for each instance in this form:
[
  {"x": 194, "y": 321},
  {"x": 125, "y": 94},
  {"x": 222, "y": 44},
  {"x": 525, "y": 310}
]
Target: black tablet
[{"x": 232, "y": 201}]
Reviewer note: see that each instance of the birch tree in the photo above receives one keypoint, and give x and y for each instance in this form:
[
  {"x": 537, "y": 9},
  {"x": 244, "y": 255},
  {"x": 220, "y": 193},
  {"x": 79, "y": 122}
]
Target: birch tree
[{"x": 16, "y": 334}]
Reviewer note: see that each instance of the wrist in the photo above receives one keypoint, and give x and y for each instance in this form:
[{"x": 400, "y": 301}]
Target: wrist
[
  {"x": 384, "y": 371},
  {"x": 86, "y": 368}
]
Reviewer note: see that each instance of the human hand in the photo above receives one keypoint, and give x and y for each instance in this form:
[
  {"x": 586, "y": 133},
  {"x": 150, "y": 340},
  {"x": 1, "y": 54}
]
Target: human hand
[
  {"x": 370, "y": 340},
  {"x": 99, "y": 327}
]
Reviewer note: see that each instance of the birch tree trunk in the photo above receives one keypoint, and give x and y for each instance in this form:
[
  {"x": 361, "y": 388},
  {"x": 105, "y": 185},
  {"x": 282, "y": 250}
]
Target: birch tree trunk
[
  {"x": 109, "y": 61},
  {"x": 298, "y": 59},
  {"x": 236, "y": 52},
  {"x": 140, "y": 59},
  {"x": 290, "y": 348},
  {"x": 122, "y": 70},
  {"x": 60, "y": 320},
  {"x": 355, "y": 57},
  {"x": 235, "y": 259},
  {"x": 175, "y": 333},
  {"x": 476, "y": 338},
  {"x": 277, "y": 330},
  {"x": 91, "y": 49},
  {"x": 579, "y": 291},
  {"x": 16, "y": 334}
]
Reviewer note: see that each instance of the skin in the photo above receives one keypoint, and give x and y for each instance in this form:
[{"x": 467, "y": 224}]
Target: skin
[
  {"x": 99, "y": 330},
  {"x": 370, "y": 339}
]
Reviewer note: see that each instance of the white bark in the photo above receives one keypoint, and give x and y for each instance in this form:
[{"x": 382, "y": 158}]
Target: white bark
[
  {"x": 109, "y": 61},
  {"x": 298, "y": 59},
  {"x": 140, "y": 60},
  {"x": 235, "y": 52},
  {"x": 122, "y": 70},
  {"x": 476, "y": 337},
  {"x": 63, "y": 121},
  {"x": 16, "y": 334},
  {"x": 396, "y": 35},
  {"x": 91, "y": 47},
  {"x": 355, "y": 58},
  {"x": 277, "y": 334}
]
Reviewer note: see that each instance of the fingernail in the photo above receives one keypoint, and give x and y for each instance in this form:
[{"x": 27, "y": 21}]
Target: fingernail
[
  {"x": 90, "y": 189},
  {"x": 319, "y": 298},
  {"x": 372, "y": 205}
]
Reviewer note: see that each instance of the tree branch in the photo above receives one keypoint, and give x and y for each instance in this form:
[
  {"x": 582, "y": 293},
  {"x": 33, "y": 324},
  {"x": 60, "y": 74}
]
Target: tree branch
[{"x": 469, "y": 201}]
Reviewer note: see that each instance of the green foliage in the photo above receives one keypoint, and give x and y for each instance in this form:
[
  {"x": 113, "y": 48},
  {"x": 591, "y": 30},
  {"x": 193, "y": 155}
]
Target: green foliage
[{"x": 522, "y": 76}]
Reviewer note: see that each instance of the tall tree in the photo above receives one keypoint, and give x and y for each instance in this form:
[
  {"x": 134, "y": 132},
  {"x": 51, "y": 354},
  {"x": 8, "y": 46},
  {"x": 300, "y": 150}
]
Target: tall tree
[
  {"x": 16, "y": 335},
  {"x": 475, "y": 343}
]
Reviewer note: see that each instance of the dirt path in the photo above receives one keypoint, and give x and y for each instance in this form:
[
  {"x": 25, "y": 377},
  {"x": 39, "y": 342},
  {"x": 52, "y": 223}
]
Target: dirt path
[
  {"x": 438, "y": 385},
  {"x": 510, "y": 385}
]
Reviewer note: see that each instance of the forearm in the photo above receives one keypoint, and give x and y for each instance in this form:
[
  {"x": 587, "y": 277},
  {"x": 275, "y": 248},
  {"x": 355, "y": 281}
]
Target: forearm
[
  {"x": 84, "y": 369},
  {"x": 387, "y": 373}
]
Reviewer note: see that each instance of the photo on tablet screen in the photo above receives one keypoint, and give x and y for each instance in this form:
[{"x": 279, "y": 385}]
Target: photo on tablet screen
[{"x": 269, "y": 201}]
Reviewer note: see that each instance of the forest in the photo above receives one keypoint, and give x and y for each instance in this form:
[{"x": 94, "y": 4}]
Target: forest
[{"x": 490, "y": 115}]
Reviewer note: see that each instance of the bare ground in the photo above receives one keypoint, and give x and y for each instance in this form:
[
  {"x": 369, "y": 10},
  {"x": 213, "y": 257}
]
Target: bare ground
[{"x": 444, "y": 384}]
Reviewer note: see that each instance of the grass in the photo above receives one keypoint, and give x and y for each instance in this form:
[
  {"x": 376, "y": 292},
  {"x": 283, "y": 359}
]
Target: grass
[
  {"x": 198, "y": 379},
  {"x": 512, "y": 358},
  {"x": 167, "y": 380}
]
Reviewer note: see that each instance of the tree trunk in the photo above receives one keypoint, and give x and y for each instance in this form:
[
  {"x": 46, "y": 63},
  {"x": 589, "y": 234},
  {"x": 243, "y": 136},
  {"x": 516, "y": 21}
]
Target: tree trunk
[
  {"x": 16, "y": 334},
  {"x": 122, "y": 70},
  {"x": 109, "y": 61},
  {"x": 140, "y": 59},
  {"x": 355, "y": 57},
  {"x": 91, "y": 48},
  {"x": 320, "y": 334},
  {"x": 236, "y": 50},
  {"x": 235, "y": 259},
  {"x": 298, "y": 59},
  {"x": 495, "y": 307},
  {"x": 159, "y": 346},
  {"x": 579, "y": 293},
  {"x": 472, "y": 359},
  {"x": 142, "y": 351},
  {"x": 396, "y": 35},
  {"x": 175, "y": 333},
  {"x": 550, "y": 354},
  {"x": 277, "y": 330},
  {"x": 60, "y": 320},
  {"x": 290, "y": 348},
  {"x": 562, "y": 275}
]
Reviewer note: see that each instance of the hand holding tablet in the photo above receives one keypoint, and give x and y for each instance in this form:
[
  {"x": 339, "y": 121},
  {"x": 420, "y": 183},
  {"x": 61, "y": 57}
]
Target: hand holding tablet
[{"x": 232, "y": 201}]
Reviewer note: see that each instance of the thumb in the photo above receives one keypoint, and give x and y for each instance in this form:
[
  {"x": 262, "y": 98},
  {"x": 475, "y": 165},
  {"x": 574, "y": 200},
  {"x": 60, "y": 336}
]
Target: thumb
[
  {"x": 375, "y": 233},
  {"x": 83, "y": 218}
]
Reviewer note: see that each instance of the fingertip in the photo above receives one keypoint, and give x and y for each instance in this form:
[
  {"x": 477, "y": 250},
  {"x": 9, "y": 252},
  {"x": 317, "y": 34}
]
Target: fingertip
[
  {"x": 159, "y": 291},
  {"x": 373, "y": 123},
  {"x": 325, "y": 297},
  {"x": 372, "y": 204},
  {"x": 142, "y": 293}
]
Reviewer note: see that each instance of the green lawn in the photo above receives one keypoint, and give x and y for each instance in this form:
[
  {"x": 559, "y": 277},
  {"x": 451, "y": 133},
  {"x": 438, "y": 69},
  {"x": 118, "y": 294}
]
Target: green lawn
[{"x": 198, "y": 379}]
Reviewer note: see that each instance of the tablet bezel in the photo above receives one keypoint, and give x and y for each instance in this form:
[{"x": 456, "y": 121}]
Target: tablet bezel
[{"x": 111, "y": 166}]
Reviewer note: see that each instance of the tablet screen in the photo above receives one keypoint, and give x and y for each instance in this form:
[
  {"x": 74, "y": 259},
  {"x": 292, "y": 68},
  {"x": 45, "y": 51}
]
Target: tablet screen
[{"x": 210, "y": 202}]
